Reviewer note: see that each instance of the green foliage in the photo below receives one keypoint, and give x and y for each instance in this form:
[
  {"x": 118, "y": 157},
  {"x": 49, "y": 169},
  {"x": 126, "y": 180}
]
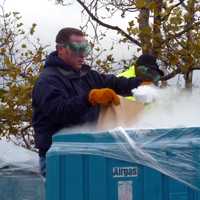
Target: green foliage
[
  {"x": 20, "y": 65},
  {"x": 183, "y": 49},
  {"x": 105, "y": 65},
  {"x": 140, "y": 4}
]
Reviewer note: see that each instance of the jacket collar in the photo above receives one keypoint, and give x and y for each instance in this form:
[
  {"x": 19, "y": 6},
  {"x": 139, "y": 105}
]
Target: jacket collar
[{"x": 54, "y": 61}]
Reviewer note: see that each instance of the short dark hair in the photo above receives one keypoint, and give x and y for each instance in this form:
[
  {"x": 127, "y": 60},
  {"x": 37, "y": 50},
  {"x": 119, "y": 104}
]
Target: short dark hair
[{"x": 64, "y": 34}]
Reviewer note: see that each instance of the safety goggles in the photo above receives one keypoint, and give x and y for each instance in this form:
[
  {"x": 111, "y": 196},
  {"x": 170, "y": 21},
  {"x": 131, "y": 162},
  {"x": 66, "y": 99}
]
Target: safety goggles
[
  {"x": 148, "y": 73},
  {"x": 78, "y": 48}
]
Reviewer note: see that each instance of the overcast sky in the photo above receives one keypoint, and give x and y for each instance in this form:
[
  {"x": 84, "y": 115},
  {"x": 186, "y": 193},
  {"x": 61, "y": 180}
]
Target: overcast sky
[{"x": 50, "y": 18}]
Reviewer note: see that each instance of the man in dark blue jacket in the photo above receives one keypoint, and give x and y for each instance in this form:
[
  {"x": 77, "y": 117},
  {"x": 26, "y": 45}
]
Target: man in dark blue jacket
[{"x": 60, "y": 95}]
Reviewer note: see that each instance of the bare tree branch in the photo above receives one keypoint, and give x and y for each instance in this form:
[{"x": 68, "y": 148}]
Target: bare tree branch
[
  {"x": 175, "y": 72},
  {"x": 23, "y": 130},
  {"x": 171, "y": 75},
  {"x": 116, "y": 28}
]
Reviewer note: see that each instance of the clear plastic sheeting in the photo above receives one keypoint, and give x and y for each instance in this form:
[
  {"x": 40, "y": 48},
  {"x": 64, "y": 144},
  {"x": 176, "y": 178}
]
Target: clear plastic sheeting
[
  {"x": 21, "y": 185},
  {"x": 13, "y": 157},
  {"x": 19, "y": 173},
  {"x": 174, "y": 152}
]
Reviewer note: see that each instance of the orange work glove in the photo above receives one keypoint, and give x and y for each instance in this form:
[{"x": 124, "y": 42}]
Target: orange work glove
[
  {"x": 104, "y": 97},
  {"x": 147, "y": 83}
]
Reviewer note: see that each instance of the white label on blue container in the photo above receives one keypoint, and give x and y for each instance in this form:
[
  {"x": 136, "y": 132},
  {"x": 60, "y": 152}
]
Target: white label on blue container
[
  {"x": 125, "y": 190},
  {"x": 124, "y": 172}
]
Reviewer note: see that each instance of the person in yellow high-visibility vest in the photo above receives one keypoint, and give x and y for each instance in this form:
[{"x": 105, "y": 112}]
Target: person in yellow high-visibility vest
[
  {"x": 129, "y": 73},
  {"x": 145, "y": 67}
]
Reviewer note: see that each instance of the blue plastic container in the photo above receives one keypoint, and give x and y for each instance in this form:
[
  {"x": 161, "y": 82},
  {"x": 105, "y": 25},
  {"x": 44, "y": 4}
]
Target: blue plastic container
[
  {"x": 93, "y": 177},
  {"x": 20, "y": 185}
]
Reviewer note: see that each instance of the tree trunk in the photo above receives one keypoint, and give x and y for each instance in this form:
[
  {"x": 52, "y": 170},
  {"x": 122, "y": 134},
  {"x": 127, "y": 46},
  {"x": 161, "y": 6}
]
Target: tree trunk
[
  {"x": 145, "y": 28},
  {"x": 188, "y": 80},
  {"x": 189, "y": 64},
  {"x": 157, "y": 37}
]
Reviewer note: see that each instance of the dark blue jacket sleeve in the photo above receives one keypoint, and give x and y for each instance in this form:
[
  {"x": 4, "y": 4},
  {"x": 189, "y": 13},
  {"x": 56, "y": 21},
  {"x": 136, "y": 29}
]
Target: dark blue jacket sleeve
[
  {"x": 58, "y": 105},
  {"x": 122, "y": 85}
]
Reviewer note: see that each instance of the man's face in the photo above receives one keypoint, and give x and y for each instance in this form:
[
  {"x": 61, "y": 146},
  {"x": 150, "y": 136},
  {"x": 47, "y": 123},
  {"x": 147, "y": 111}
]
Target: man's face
[{"x": 74, "y": 52}]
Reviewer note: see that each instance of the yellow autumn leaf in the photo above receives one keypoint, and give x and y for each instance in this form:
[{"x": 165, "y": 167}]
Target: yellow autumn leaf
[{"x": 140, "y": 3}]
